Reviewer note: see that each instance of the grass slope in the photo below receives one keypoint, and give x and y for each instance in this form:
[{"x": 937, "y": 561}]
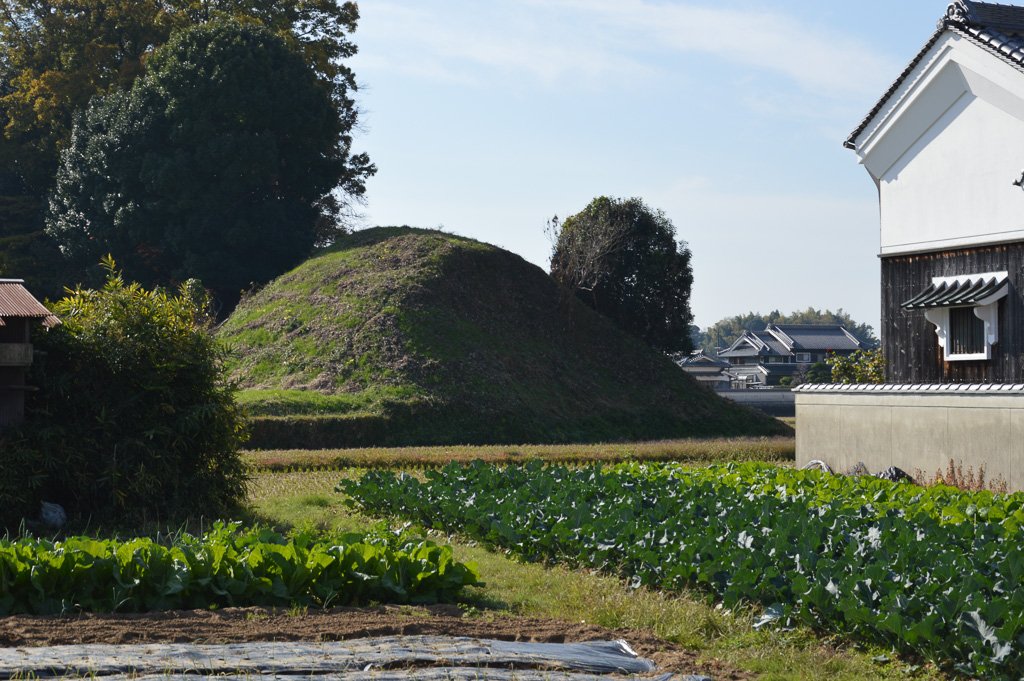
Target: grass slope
[{"x": 400, "y": 336}]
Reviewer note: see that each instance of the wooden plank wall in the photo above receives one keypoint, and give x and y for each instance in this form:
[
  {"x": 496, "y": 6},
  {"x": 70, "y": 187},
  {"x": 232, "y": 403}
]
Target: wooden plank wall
[{"x": 908, "y": 339}]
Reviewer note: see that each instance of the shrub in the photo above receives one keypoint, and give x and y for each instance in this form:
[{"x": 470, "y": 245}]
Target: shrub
[
  {"x": 863, "y": 366},
  {"x": 21, "y": 480},
  {"x": 133, "y": 416},
  {"x": 818, "y": 372}
]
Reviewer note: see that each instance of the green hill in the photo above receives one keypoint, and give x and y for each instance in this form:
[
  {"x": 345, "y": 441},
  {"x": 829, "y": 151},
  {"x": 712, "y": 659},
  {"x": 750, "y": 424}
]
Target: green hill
[{"x": 400, "y": 336}]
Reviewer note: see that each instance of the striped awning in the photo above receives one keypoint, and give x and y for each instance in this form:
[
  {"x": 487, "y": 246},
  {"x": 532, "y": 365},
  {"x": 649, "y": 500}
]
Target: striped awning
[{"x": 979, "y": 289}]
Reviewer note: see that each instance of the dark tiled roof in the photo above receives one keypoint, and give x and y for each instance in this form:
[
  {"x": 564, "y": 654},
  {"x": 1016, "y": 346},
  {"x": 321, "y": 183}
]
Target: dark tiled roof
[
  {"x": 1005, "y": 18},
  {"x": 996, "y": 27},
  {"x": 699, "y": 358},
  {"x": 804, "y": 337},
  {"x": 17, "y": 302},
  {"x": 781, "y": 369},
  {"x": 963, "y": 292},
  {"x": 747, "y": 345},
  {"x": 785, "y": 339},
  {"x": 775, "y": 346},
  {"x": 754, "y": 344}
]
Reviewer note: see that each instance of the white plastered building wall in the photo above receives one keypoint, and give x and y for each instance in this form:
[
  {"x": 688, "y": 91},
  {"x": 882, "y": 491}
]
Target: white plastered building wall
[{"x": 946, "y": 150}]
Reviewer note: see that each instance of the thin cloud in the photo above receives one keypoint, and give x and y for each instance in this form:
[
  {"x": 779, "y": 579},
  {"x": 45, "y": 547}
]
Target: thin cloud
[
  {"x": 587, "y": 42},
  {"x": 815, "y": 57},
  {"x": 471, "y": 46}
]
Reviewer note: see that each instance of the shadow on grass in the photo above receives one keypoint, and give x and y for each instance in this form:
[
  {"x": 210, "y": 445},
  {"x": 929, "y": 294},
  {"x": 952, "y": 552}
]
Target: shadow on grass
[{"x": 156, "y": 528}]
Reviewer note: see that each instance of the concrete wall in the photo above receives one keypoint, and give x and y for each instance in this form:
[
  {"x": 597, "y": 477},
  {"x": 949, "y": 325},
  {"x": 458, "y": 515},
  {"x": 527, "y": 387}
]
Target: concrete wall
[{"x": 916, "y": 428}]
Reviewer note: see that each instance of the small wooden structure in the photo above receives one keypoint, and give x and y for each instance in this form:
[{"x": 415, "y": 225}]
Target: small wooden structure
[{"x": 18, "y": 311}]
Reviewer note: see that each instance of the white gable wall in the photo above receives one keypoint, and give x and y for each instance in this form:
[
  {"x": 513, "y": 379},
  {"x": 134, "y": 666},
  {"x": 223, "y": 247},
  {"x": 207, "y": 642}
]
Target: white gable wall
[{"x": 947, "y": 150}]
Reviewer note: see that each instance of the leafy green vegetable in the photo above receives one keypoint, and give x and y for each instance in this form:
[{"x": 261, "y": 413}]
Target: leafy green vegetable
[
  {"x": 228, "y": 566},
  {"x": 936, "y": 571}
]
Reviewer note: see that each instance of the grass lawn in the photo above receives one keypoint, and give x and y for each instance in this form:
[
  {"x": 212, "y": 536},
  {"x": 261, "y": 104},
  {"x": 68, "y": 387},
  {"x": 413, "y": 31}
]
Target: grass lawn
[{"x": 307, "y": 499}]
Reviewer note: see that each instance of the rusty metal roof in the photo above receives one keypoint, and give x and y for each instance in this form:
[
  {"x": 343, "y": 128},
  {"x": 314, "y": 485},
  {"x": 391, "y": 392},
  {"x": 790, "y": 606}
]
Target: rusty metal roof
[{"x": 17, "y": 302}]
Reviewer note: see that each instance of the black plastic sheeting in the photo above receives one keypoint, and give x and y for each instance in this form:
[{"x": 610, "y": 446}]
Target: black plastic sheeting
[
  {"x": 429, "y": 674},
  {"x": 420, "y": 658}
]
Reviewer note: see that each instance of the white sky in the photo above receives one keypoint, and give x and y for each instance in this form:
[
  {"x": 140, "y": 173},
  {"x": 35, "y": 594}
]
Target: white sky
[{"x": 488, "y": 118}]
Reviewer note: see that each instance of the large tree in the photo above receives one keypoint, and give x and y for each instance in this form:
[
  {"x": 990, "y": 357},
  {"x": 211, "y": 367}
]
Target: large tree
[
  {"x": 723, "y": 333},
  {"x": 622, "y": 258},
  {"x": 55, "y": 55},
  {"x": 215, "y": 164},
  {"x": 25, "y": 250}
]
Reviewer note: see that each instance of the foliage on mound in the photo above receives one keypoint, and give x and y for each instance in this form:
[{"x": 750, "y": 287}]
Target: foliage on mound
[{"x": 406, "y": 336}]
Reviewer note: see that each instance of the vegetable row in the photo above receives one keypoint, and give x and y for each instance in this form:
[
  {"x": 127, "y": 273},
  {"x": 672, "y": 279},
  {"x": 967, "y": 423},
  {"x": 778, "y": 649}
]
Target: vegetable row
[
  {"x": 228, "y": 566},
  {"x": 936, "y": 571}
]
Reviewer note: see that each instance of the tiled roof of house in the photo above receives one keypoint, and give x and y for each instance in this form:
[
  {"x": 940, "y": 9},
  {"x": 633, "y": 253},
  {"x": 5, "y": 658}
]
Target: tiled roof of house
[
  {"x": 774, "y": 344},
  {"x": 17, "y": 302},
  {"x": 786, "y": 339},
  {"x": 781, "y": 369},
  {"x": 967, "y": 291},
  {"x": 747, "y": 345},
  {"x": 700, "y": 358},
  {"x": 996, "y": 27},
  {"x": 809, "y": 337},
  {"x": 755, "y": 344}
]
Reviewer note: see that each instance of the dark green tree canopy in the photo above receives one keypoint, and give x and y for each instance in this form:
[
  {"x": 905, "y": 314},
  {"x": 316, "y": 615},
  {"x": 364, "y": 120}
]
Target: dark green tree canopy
[
  {"x": 622, "y": 258},
  {"x": 724, "y": 332},
  {"x": 216, "y": 164},
  {"x": 56, "y": 55}
]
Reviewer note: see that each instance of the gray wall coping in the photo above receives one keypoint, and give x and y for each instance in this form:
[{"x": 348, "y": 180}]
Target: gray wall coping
[{"x": 912, "y": 388}]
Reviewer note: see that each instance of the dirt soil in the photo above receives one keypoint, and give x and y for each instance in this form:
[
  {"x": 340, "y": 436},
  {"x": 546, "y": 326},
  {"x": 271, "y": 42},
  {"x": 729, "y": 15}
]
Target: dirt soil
[{"x": 234, "y": 625}]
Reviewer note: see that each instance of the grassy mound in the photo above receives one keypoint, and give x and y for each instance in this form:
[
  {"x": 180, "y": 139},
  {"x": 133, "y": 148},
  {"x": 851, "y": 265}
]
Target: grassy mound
[{"x": 400, "y": 336}]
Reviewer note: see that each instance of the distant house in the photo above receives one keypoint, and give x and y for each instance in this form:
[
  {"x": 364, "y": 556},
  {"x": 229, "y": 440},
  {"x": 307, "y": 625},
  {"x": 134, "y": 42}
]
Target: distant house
[
  {"x": 707, "y": 369},
  {"x": 18, "y": 311},
  {"x": 764, "y": 358}
]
